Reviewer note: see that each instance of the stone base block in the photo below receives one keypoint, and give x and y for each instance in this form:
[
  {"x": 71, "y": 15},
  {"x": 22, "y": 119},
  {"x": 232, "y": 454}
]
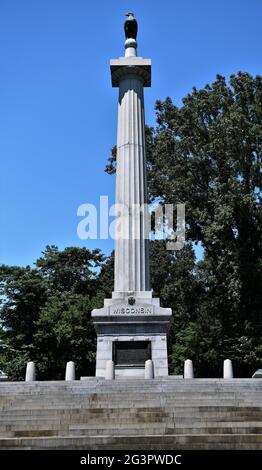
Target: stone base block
[{"x": 131, "y": 329}]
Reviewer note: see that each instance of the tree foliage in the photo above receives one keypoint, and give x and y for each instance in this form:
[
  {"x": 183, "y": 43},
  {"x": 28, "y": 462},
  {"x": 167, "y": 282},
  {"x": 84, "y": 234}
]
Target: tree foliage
[
  {"x": 207, "y": 154},
  {"x": 45, "y": 311}
]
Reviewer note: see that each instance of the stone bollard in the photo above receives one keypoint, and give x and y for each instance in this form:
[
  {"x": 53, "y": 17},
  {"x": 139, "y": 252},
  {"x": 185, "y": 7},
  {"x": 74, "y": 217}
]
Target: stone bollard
[
  {"x": 228, "y": 369},
  {"x": 110, "y": 370},
  {"x": 149, "y": 369},
  {"x": 257, "y": 374},
  {"x": 70, "y": 371},
  {"x": 188, "y": 369},
  {"x": 30, "y": 372}
]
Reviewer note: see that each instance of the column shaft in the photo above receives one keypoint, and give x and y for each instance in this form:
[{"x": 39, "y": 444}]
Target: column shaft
[{"x": 131, "y": 251}]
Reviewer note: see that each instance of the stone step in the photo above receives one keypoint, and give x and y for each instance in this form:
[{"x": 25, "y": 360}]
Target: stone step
[
  {"x": 134, "y": 397},
  {"x": 147, "y": 442},
  {"x": 139, "y": 383},
  {"x": 136, "y": 391},
  {"x": 115, "y": 385},
  {"x": 130, "y": 406},
  {"x": 136, "y": 400},
  {"x": 161, "y": 423},
  {"x": 129, "y": 409},
  {"x": 126, "y": 423},
  {"x": 45, "y": 404},
  {"x": 200, "y": 411},
  {"x": 115, "y": 392},
  {"x": 166, "y": 430},
  {"x": 129, "y": 421},
  {"x": 153, "y": 430}
]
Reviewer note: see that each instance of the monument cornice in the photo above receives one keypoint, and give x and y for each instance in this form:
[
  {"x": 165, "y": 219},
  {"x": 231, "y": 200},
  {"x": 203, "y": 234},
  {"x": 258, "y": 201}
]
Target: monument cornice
[{"x": 127, "y": 67}]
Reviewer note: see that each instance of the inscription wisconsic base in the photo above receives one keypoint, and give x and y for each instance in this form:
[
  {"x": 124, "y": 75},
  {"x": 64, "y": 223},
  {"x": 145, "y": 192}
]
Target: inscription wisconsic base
[{"x": 131, "y": 310}]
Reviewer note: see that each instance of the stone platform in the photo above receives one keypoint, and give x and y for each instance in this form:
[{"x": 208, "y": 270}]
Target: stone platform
[{"x": 138, "y": 414}]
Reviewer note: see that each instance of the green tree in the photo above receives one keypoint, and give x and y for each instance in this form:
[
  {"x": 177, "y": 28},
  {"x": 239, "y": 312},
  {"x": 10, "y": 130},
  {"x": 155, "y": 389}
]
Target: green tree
[
  {"x": 23, "y": 291},
  {"x": 45, "y": 312},
  {"x": 207, "y": 154},
  {"x": 65, "y": 332}
]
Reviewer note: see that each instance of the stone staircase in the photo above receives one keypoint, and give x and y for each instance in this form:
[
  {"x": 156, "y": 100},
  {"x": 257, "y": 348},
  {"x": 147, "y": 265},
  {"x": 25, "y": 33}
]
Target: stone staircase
[{"x": 132, "y": 414}]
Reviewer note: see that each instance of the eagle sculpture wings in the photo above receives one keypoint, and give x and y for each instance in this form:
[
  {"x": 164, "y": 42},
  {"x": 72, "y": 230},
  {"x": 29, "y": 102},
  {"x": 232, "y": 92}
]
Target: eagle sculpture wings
[{"x": 130, "y": 26}]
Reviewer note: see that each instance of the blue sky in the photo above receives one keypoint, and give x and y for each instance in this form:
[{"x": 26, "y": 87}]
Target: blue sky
[{"x": 58, "y": 112}]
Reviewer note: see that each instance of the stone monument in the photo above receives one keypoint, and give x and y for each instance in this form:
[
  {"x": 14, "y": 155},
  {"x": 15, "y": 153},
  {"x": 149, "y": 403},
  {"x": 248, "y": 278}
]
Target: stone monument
[{"x": 131, "y": 327}]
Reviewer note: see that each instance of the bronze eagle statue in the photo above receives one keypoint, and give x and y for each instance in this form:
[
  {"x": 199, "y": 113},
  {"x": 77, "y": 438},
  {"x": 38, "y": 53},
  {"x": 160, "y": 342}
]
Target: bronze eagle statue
[{"x": 130, "y": 26}]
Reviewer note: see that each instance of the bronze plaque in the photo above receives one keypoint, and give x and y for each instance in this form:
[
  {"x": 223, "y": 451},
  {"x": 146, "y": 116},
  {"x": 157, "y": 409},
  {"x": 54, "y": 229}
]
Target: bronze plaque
[{"x": 131, "y": 353}]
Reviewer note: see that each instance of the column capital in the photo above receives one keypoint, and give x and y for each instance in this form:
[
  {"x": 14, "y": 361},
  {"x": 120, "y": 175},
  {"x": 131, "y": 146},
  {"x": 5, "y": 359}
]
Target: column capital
[{"x": 127, "y": 66}]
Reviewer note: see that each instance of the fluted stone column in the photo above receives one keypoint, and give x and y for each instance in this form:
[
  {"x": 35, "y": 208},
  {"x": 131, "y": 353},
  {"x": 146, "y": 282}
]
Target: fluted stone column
[{"x": 131, "y": 74}]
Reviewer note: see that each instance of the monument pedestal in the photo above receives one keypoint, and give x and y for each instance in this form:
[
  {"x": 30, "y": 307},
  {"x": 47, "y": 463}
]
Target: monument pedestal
[{"x": 132, "y": 328}]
